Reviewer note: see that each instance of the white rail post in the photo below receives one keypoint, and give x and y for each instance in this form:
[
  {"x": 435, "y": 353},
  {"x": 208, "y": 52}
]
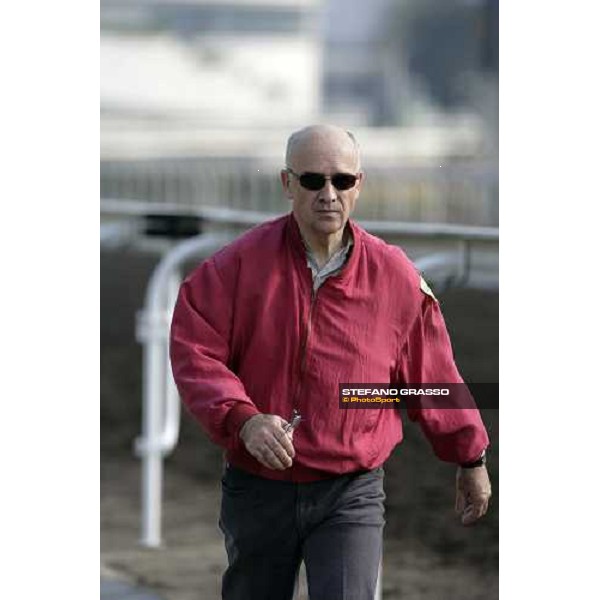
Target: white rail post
[
  {"x": 160, "y": 426},
  {"x": 150, "y": 331},
  {"x": 172, "y": 404}
]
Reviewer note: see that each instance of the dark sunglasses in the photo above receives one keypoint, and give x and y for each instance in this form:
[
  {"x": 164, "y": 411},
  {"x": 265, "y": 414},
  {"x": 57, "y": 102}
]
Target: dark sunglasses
[{"x": 316, "y": 181}]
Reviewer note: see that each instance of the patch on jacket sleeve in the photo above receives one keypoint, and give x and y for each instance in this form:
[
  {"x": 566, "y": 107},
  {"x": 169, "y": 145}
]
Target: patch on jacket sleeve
[{"x": 426, "y": 289}]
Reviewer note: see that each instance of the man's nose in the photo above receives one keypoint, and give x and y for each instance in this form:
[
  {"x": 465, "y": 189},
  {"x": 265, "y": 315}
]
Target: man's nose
[{"x": 328, "y": 193}]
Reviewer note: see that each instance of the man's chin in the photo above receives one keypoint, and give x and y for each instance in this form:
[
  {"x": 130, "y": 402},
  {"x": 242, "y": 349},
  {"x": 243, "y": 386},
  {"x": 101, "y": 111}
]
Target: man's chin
[
  {"x": 330, "y": 223},
  {"x": 328, "y": 228}
]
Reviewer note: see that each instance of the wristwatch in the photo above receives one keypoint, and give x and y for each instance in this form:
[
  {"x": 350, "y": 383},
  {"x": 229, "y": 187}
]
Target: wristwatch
[{"x": 476, "y": 463}]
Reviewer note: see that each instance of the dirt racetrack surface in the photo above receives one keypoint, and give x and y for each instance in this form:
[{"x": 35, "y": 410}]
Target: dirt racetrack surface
[{"x": 428, "y": 555}]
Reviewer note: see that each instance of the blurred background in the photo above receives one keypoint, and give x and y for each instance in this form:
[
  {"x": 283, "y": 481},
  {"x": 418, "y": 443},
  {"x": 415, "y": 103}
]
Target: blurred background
[{"x": 197, "y": 100}]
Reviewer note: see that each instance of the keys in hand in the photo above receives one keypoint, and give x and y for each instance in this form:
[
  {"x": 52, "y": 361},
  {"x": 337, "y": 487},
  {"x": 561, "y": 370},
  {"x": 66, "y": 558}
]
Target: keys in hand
[
  {"x": 269, "y": 439},
  {"x": 294, "y": 421}
]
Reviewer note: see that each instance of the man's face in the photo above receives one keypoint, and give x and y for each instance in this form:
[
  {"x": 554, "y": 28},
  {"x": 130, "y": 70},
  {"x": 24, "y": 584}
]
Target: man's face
[{"x": 323, "y": 212}]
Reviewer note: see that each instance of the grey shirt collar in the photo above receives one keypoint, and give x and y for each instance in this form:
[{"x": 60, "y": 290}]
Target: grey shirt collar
[{"x": 332, "y": 267}]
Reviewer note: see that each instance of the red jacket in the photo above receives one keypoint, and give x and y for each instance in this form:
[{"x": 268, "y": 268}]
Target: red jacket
[{"x": 249, "y": 336}]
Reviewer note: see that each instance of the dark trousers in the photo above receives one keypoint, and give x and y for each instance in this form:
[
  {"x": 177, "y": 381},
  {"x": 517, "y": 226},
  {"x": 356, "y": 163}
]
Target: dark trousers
[{"x": 335, "y": 526}]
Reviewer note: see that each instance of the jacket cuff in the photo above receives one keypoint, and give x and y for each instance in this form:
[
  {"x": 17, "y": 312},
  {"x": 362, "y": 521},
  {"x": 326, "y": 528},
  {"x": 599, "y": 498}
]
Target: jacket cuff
[{"x": 238, "y": 415}]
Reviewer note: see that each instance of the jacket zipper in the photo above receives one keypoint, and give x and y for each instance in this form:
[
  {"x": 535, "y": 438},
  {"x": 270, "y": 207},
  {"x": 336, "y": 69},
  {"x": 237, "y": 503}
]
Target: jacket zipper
[
  {"x": 303, "y": 351},
  {"x": 302, "y": 366}
]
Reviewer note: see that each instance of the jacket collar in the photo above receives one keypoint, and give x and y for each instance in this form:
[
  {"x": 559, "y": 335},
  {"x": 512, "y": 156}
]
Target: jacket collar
[{"x": 299, "y": 250}]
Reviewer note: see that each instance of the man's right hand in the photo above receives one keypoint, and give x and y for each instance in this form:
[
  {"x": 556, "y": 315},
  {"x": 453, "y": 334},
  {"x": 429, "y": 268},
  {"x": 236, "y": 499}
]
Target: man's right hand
[{"x": 265, "y": 438}]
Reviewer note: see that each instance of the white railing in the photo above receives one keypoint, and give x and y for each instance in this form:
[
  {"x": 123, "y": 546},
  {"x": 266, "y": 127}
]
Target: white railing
[{"x": 161, "y": 414}]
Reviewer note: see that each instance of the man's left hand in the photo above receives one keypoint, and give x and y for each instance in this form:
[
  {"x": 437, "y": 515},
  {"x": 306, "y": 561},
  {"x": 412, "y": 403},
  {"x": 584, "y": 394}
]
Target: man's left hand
[{"x": 473, "y": 492}]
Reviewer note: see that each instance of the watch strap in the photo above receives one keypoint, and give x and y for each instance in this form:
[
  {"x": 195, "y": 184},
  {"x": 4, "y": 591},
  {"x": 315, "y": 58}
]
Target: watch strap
[{"x": 476, "y": 463}]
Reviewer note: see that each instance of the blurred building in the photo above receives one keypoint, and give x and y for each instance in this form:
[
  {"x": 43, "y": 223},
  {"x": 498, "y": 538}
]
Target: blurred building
[
  {"x": 199, "y": 96},
  {"x": 228, "y": 64},
  {"x": 409, "y": 62}
]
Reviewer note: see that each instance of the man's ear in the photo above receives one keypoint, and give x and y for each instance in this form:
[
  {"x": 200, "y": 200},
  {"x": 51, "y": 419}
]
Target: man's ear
[
  {"x": 361, "y": 180},
  {"x": 285, "y": 183}
]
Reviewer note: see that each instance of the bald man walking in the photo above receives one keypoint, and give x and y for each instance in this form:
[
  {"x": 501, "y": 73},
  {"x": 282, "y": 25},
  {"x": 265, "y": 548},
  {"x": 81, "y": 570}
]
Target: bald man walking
[{"x": 263, "y": 333}]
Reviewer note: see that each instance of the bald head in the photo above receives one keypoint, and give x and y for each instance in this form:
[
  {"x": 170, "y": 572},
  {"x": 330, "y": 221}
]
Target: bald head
[
  {"x": 323, "y": 180},
  {"x": 321, "y": 138}
]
